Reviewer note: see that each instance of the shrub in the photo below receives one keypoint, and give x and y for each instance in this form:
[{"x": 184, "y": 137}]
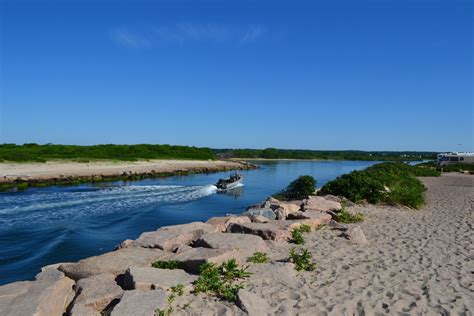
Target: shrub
[
  {"x": 299, "y": 189},
  {"x": 170, "y": 265},
  {"x": 302, "y": 260},
  {"x": 258, "y": 257},
  {"x": 297, "y": 237},
  {"x": 221, "y": 281},
  {"x": 305, "y": 228},
  {"x": 393, "y": 183},
  {"x": 343, "y": 216}
]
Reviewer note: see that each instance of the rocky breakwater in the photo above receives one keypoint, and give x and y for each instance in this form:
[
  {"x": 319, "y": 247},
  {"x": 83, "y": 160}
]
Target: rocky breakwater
[{"x": 144, "y": 276}]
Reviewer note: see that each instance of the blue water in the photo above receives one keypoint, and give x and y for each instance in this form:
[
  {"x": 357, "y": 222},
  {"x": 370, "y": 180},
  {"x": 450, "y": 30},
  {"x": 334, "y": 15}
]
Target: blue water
[{"x": 41, "y": 226}]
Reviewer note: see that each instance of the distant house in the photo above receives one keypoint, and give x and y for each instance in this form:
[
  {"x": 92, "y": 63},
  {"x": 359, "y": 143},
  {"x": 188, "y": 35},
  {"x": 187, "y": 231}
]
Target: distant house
[{"x": 455, "y": 158}]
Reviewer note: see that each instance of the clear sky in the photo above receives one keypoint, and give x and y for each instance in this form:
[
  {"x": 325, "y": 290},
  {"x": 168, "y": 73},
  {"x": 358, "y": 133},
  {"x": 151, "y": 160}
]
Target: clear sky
[{"x": 370, "y": 75}]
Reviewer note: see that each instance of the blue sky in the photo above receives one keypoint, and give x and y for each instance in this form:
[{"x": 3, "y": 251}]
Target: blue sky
[{"x": 370, "y": 75}]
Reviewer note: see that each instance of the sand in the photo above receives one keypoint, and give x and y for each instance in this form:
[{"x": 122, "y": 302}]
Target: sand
[
  {"x": 55, "y": 169},
  {"x": 416, "y": 263}
]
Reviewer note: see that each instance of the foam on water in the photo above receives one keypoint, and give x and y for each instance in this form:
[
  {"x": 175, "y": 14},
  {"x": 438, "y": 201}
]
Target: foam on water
[{"x": 42, "y": 206}]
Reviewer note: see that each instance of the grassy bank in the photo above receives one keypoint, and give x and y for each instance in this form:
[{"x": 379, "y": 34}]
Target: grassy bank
[
  {"x": 390, "y": 182},
  {"x": 273, "y": 153},
  {"x": 42, "y": 153}
]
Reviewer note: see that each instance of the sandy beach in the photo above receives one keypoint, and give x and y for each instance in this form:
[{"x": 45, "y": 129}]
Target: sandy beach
[
  {"x": 63, "y": 169},
  {"x": 416, "y": 263}
]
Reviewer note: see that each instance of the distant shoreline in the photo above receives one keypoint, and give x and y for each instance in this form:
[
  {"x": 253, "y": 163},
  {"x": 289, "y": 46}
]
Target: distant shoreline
[{"x": 24, "y": 175}]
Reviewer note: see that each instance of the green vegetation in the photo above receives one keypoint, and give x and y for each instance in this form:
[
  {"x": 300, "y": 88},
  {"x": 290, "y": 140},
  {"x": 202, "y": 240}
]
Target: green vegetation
[
  {"x": 343, "y": 216},
  {"x": 297, "y": 234},
  {"x": 273, "y": 153},
  {"x": 41, "y": 153},
  {"x": 222, "y": 281},
  {"x": 170, "y": 265},
  {"x": 175, "y": 290},
  {"x": 258, "y": 257},
  {"x": 389, "y": 182},
  {"x": 299, "y": 189},
  {"x": 304, "y": 228},
  {"x": 457, "y": 167},
  {"x": 302, "y": 261}
]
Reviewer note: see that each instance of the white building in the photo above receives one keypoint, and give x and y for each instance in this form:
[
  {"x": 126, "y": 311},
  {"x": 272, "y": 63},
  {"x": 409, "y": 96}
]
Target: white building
[{"x": 455, "y": 157}]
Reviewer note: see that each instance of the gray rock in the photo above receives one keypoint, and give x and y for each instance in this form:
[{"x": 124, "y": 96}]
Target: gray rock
[
  {"x": 319, "y": 203},
  {"x": 280, "y": 214},
  {"x": 48, "y": 295},
  {"x": 246, "y": 245},
  {"x": 140, "y": 303},
  {"x": 252, "y": 304},
  {"x": 287, "y": 206},
  {"x": 258, "y": 219},
  {"x": 356, "y": 235},
  {"x": 221, "y": 223},
  {"x": 314, "y": 219},
  {"x": 265, "y": 212},
  {"x": 115, "y": 262},
  {"x": 268, "y": 231},
  {"x": 191, "y": 260},
  {"x": 147, "y": 278},
  {"x": 183, "y": 248},
  {"x": 171, "y": 237},
  {"x": 94, "y": 294}
]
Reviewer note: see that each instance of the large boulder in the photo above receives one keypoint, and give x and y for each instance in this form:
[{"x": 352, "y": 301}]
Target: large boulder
[
  {"x": 246, "y": 245},
  {"x": 287, "y": 206},
  {"x": 268, "y": 231},
  {"x": 171, "y": 237},
  {"x": 258, "y": 219},
  {"x": 265, "y": 212},
  {"x": 319, "y": 203},
  {"x": 94, "y": 294},
  {"x": 356, "y": 235},
  {"x": 148, "y": 278},
  {"x": 311, "y": 218},
  {"x": 48, "y": 295},
  {"x": 115, "y": 262},
  {"x": 221, "y": 223},
  {"x": 140, "y": 303},
  {"x": 252, "y": 304},
  {"x": 191, "y": 260}
]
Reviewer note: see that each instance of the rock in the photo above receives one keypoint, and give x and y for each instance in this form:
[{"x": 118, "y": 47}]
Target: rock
[
  {"x": 124, "y": 244},
  {"x": 258, "y": 219},
  {"x": 183, "y": 248},
  {"x": 115, "y": 262},
  {"x": 246, "y": 245},
  {"x": 337, "y": 226},
  {"x": 331, "y": 197},
  {"x": 221, "y": 223},
  {"x": 319, "y": 203},
  {"x": 268, "y": 231},
  {"x": 94, "y": 294},
  {"x": 356, "y": 235},
  {"x": 311, "y": 218},
  {"x": 48, "y": 295},
  {"x": 148, "y": 278},
  {"x": 280, "y": 214},
  {"x": 265, "y": 212},
  {"x": 140, "y": 303},
  {"x": 191, "y": 260},
  {"x": 170, "y": 237},
  {"x": 287, "y": 206},
  {"x": 252, "y": 304},
  {"x": 53, "y": 266}
]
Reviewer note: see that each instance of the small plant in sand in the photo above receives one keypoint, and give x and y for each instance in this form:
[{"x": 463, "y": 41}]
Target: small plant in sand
[
  {"x": 343, "y": 216},
  {"x": 170, "y": 265},
  {"x": 302, "y": 260},
  {"x": 297, "y": 234},
  {"x": 258, "y": 257},
  {"x": 222, "y": 281},
  {"x": 297, "y": 237},
  {"x": 175, "y": 290}
]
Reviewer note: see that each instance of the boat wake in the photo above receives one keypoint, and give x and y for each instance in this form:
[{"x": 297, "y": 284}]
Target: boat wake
[{"x": 40, "y": 206}]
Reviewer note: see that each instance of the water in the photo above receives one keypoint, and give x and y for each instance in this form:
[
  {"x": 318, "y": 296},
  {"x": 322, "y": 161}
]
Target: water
[{"x": 41, "y": 226}]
